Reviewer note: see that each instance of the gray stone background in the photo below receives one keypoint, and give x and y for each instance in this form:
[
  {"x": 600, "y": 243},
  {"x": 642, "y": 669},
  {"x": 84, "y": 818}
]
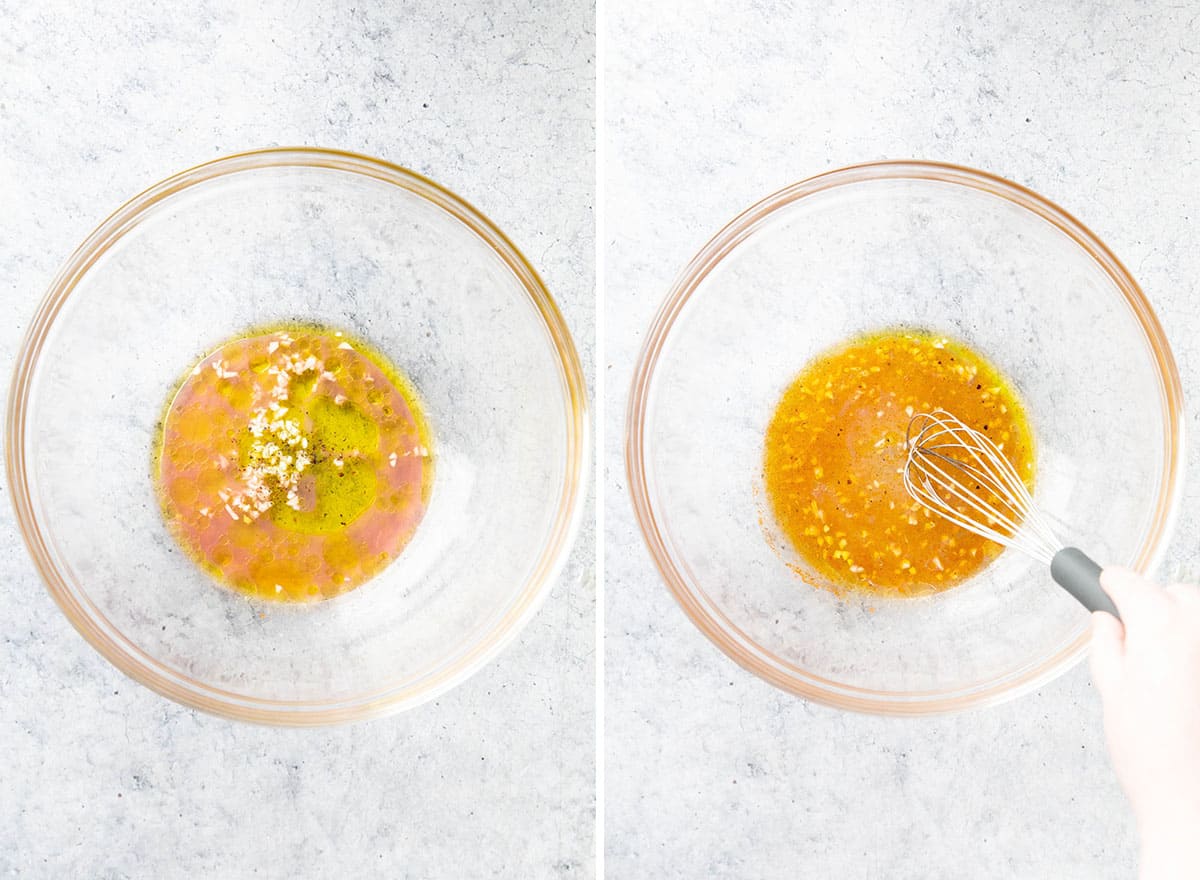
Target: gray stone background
[
  {"x": 710, "y": 106},
  {"x": 99, "y": 778}
]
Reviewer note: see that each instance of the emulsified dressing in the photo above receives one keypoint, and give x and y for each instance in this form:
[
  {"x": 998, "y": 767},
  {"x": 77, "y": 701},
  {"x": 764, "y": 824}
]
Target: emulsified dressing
[
  {"x": 834, "y": 460},
  {"x": 294, "y": 465}
]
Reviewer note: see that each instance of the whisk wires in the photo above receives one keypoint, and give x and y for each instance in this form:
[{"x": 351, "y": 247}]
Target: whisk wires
[{"x": 960, "y": 474}]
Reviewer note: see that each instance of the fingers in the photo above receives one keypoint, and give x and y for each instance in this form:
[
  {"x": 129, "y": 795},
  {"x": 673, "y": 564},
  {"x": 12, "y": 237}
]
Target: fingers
[
  {"x": 1140, "y": 602},
  {"x": 1188, "y": 594},
  {"x": 1108, "y": 649}
]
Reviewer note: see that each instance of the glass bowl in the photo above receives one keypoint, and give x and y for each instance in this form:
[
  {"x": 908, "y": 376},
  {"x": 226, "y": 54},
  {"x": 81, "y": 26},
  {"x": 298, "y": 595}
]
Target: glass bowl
[
  {"x": 316, "y": 236},
  {"x": 874, "y": 246}
]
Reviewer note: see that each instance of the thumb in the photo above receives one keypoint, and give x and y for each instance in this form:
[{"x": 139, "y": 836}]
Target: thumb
[{"x": 1108, "y": 651}]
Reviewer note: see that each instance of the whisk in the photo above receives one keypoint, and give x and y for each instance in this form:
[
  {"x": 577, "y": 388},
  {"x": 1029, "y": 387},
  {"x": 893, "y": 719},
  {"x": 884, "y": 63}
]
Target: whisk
[{"x": 960, "y": 474}]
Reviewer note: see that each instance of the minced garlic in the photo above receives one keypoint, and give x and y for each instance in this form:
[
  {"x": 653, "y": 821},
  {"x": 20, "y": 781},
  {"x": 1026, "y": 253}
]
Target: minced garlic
[{"x": 278, "y": 454}]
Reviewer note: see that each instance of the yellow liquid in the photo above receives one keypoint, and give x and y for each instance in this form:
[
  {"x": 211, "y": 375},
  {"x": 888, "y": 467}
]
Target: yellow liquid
[
  {"x": 294, "y": 464},
  {"x": 834, "y": 456}
]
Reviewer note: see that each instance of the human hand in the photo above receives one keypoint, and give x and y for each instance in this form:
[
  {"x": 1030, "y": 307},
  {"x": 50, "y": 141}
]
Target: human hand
[{"x": 1147, "y": 669}]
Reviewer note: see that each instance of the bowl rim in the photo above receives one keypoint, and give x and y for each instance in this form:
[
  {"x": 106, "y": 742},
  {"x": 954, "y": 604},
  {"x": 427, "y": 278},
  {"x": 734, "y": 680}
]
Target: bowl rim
[
  {"x": 139, "y": 666},
  {"x": 705, "y": 614}
]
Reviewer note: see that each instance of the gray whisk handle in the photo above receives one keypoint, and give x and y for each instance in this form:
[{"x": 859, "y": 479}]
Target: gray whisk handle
[{"x": 1079, "y": 575}]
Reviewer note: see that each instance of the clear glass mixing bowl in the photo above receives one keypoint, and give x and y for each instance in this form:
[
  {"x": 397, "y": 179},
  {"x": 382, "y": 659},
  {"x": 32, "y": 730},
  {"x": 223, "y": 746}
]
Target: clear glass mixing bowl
[
  {"x": 336, "y": 239},
  {"x": 875, "y": 246}
]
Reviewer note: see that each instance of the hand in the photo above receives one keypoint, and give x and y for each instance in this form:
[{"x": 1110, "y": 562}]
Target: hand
[{"x": 1147, "y": 670}]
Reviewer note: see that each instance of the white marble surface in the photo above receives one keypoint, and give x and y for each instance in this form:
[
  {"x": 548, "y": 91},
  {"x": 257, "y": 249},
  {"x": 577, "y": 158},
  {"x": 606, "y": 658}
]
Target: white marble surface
[
  {"x": 710, "y": 772},
  {"x": 101, "y": 778}
]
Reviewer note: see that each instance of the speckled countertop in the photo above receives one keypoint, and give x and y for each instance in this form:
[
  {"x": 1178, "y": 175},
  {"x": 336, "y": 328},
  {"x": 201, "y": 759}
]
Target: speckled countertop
[
  {"x": 710, "y": 772},
  {"x": 100, "y": 777}
]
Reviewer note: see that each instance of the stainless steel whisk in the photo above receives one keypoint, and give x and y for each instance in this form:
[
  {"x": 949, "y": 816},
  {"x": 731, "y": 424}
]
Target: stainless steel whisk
[{"x": 961, "y": 474}]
